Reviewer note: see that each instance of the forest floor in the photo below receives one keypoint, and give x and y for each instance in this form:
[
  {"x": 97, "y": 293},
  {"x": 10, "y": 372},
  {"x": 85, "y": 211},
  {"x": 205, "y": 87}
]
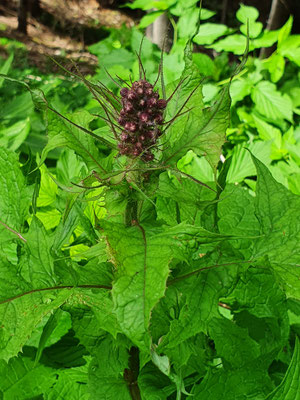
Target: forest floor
[{"x": 64, "y": 29}]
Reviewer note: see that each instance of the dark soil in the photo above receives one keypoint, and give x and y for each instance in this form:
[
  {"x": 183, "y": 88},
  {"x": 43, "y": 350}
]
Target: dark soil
[{"x": 63, "y": 29}]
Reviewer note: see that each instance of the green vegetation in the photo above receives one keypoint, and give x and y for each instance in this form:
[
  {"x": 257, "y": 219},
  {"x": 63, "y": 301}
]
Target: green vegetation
[{"x": 172, "y": 278}]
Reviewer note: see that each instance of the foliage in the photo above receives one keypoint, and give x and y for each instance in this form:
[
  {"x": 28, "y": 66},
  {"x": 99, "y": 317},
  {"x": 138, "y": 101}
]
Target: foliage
[
  {"x": 165, "y": 279},
  {"x": 265, "y": 94}
]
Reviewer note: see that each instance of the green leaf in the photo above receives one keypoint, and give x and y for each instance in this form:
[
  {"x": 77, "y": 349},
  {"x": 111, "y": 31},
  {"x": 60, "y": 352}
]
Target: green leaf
[
  {"x": 102, "y": 307},
  {"x": 153, "y": 384},
  {"x": 245, "y": 13},
  {"x": 209, "y": 32},
  {"x": 147, "y": 5},
  {"x": 149, "y": 19},
  {"x": 266, "y": 39},
  {"x": 14, "y": 196},
  {"x": 238, "y": 43},
  {"x": 48, "y": 189},
  {"x": 285, "y": 31},
  {"x": 268, "y": 132},
  {"x": 86, "y": 327},
  {"x": 141, "y": 258},
  {"x": 13, "y": 136},
  {"x": 234, "y": 43},
  {"x": 258, "y": 304},
  {"x": 106, "y": 380},
  {"x": 239, "y": 89},
  {"x": 187, "y": 23},
  {"x": 66, "y": 353},
  {"x": 5, "y": 67},
  {"x": 50, "y": 218},
  {"x": 276, "y": 208},
  {"x": 63, "y": 325},
  {"x": 270, "y": 102},
  {"x": 241, "y": 165},
  {"x": 21, "y": 379},
  {"x": 220, "y": 384},
  {"x": 289, "y": 389},
  {"x": 47, "y": 332},
  {"x": 19, "y": 316},
  {"x": 248, "y": 15},
  {"x": 255, "y": 29},
  {"x": 69, "y": 167},
  {"x": 187, "y": 194},
  {"x": 141, "y": 276},
  {"x": 197, "y": 299},
  {"x": 63, "y": 133},
  {"x": 166, "y": 210},
  {"x": 275, "y": 65},
  {"x": 290, "y": 48},
  {"x": 233, "y": 343},
  {"x": 205, "y": 64},
  {"x": 70, "y": 385},
  {"x": 203, "y": 133},
  {"x": 38, "y": 266},
  {"x": 236, "y": 212}
]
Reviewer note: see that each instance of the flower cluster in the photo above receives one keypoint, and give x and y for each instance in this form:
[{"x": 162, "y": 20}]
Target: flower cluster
[{"x": 140, "y": 118}]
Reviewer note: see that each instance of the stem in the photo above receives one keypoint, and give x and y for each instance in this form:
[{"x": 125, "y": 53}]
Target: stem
[
  {"x": 131, "y": 212},
  {"x": 175, "y": 37},
  {"x": 180, "y": 278},
  {"x": 131, "y": 374},
  {"x": 13, "y": 231},
  {"x": 56, "y": 288}
]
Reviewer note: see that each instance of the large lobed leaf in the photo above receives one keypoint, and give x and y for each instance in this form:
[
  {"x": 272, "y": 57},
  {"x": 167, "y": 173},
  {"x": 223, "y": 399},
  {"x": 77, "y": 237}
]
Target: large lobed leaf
[
  {"x": 277, "y": 209},
  {"x": 141, "y": 257},
  {"x": 200, "y": 130},
  {"x": 142, "y": 267}
]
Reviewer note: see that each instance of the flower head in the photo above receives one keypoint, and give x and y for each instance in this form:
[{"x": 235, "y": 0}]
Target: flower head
[{"x": 140, "y": 116}]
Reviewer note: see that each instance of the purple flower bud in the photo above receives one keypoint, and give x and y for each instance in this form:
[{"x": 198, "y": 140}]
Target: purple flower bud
[
  {"x": 144, "y": 117},
  {"x": 138, "y": 145},
  {"x": 136, "y": 152},
  {"x": 124, "y": 92},
  {"x": 148, "y": 157},
  {"x": 149, "y": 91},
  {"x": 142, "y": 102},
  {"x": 131, "y": 95},
  {"x": 151, "y": 102},
  {"x": 124, "y": 150},
  {"x": 133, "y": 139},
  {"x": 122, "y": 113},
  {"x": 161, "y": 104},
  {"x": 148, "y": 85},
  {"x": 124, "y": 136},
  {"x": 142, "y": 138},
  {"x": 128, "y": 107},
  {"x": 159, "y": 119},
  {"x": 121, "y": 121},
  {"x": 130, "y": 126}
]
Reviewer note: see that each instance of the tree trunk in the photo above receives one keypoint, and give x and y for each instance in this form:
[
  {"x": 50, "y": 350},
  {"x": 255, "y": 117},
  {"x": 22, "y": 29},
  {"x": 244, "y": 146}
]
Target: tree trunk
[
  {"x": 22, "y": 16},
  {"x": 159, "y": 32},
  {"x": 35, "y": 8},
  {"x": 279, "y": 13}
]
